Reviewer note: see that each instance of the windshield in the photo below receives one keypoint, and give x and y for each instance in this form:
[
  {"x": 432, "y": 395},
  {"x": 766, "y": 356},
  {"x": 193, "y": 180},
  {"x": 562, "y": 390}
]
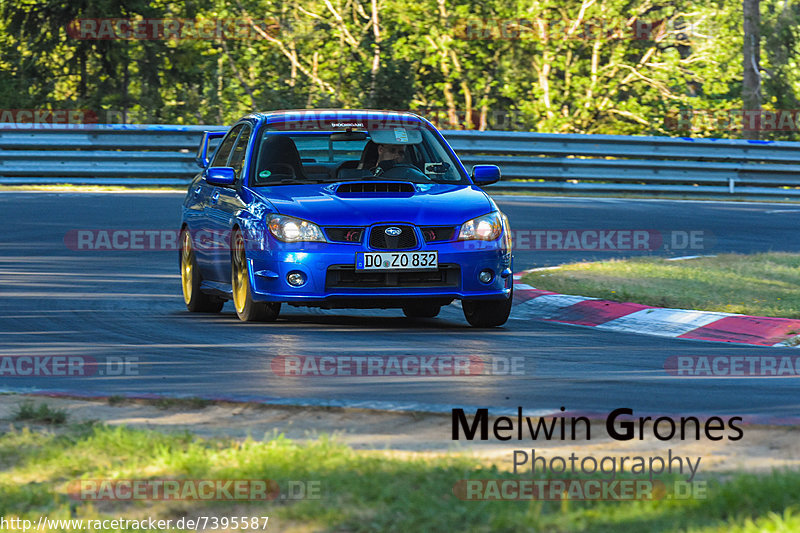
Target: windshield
[{"x": 403, "y": 153}]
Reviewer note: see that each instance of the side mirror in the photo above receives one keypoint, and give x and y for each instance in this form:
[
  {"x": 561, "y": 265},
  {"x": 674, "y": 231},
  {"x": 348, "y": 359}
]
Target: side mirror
[
  {"x": 222, "y": 176},
  {"x": 202, "y": 151},
  {"x": 485, "y": 174}
]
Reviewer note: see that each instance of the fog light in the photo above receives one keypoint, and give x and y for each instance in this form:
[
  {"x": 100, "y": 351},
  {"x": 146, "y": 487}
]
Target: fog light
[
  {"x": 296, "y": 279},
  {"x": 486, "y": 276}
]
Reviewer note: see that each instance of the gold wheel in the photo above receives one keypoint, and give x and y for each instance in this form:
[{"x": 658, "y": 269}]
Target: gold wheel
[
  {"x": 247, "y": 309},
  {"x": 191, "y": 279},
  {"x": 240, "y": 276},
  {"x": 187, "y": 267}
]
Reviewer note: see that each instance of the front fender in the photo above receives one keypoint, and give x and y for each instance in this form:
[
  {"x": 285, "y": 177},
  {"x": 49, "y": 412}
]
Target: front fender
[{"x": 254, "y": 231}]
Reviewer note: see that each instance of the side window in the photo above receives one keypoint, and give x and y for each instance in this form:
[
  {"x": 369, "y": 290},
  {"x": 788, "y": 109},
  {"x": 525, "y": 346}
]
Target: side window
[
  {"x": 221, "y": 157},
  {"x": 237, "y": 157}
]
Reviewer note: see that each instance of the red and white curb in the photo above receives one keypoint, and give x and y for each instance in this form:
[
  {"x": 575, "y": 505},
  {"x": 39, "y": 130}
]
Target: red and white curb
[{"x": 530, "y": 302}]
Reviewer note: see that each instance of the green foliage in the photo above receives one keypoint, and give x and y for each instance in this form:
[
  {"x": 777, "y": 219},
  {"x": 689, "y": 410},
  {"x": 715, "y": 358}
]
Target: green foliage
[
  {"x": 187, "y": 403},
  {"x": 28, "y": 411},
  {"x": 605, "y": 66},
  {"x": 360, "y": 491},
  {"x": 763, "y": 284}
]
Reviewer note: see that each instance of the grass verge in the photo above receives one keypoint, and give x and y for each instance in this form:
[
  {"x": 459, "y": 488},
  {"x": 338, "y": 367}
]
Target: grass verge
[
  {"x": 360, "y": 491},
  {"x": 765, "y": 284}
]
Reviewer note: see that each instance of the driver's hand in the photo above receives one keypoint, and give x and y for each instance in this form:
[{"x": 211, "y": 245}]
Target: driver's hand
[{"x": 385, "y": 165}]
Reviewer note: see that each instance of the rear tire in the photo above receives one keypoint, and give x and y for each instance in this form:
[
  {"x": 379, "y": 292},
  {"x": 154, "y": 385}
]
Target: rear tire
[
  {"x": 421, "y": 310},
  {"x": 487, "y": 313},
  {"x": 196, "y": 301},
  {"x": 247, "y": 309}
]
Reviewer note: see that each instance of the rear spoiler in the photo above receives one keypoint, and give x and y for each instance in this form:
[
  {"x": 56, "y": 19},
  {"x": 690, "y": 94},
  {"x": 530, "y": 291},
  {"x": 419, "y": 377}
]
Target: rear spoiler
[{"x": 202, "y": 158}]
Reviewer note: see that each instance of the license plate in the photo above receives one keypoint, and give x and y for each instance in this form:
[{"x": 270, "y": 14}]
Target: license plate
[{"x": 397, "y": 261}]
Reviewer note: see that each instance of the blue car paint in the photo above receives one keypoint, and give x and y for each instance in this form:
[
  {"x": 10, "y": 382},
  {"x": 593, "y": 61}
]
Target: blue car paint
[
  {"x": 432, "y": 205},
  {"x": 213, "y": 212}
]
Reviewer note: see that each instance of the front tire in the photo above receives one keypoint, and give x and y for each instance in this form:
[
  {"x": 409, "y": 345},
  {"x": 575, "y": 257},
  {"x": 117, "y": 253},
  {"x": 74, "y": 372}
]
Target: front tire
[
  {"x": 196, "y": 300},
  {"x": 487, "y": 313},
  {"x": 247, "y": 309}
]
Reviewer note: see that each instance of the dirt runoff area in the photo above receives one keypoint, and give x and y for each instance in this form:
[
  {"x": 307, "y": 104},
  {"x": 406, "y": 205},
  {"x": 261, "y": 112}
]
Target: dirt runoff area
[{"x": 406, "y": 434}]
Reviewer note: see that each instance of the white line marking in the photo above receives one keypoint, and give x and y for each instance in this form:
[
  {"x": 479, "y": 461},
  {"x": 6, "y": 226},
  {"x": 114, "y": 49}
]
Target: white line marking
[
  {"x": 682, "y": 258},
  {"x": 549, "y": 304},
  {"x": 663, "y": 322},
  {"x": 791, "y": 342}
]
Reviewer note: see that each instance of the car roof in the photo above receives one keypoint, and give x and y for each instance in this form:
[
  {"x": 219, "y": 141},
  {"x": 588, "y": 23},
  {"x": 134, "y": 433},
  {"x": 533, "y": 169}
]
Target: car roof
[
  {"x": 343, "y": 112},
  {"x": 336, "y": 114}
]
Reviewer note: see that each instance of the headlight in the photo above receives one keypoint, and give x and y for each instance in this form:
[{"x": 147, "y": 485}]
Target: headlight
[
  {"x": 483, "y": 228},
  {"x": 291, "y": 229}
]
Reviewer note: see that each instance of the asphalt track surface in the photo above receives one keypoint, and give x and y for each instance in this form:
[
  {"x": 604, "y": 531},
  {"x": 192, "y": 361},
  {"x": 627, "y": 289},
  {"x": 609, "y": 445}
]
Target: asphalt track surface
[{"x": 111, "y": 305}]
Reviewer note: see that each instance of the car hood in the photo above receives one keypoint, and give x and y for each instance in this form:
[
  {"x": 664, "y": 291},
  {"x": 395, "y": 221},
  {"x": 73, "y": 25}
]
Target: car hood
[{"x": 428, "y": 204}]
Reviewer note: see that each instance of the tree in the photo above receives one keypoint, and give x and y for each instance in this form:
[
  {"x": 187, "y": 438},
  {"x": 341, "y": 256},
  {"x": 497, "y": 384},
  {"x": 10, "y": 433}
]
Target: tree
[{"x": 751, "y": 58}]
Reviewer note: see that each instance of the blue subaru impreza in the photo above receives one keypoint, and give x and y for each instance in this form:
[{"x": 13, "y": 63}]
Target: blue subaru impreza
[{"x": 342, "y": 209}]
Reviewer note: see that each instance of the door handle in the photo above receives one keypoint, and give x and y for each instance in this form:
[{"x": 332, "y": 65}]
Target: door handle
[
  {"x": 215, "y": 197},
  {"x": 197, "y": 190}
]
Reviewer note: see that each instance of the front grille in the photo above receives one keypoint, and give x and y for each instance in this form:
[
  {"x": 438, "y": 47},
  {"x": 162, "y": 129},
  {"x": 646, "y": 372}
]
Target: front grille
[
  {"x": 347, "y": 277},
  {"x": 344, "y": 234},
  {"x": 379, "y": 240},
  {"x": 438, "y": 233}
]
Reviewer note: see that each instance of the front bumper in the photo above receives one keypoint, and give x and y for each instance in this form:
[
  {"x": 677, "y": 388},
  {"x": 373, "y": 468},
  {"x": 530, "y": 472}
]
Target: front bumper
[{"x": 326, "y": 267}]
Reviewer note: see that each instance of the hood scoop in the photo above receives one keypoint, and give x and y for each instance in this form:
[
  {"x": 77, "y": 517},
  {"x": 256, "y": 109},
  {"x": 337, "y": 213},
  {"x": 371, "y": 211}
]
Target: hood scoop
[{"x": 373, "y": 188}]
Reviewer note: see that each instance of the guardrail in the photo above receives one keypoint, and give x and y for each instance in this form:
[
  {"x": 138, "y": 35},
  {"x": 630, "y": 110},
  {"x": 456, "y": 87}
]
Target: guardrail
[
  {"x": 100, "y": 154},
  {"x": 152, "y": 154}
]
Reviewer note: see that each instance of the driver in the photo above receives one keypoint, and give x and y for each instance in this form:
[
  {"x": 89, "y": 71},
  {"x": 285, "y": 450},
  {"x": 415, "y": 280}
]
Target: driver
[{"x": 392, "y": 154}]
